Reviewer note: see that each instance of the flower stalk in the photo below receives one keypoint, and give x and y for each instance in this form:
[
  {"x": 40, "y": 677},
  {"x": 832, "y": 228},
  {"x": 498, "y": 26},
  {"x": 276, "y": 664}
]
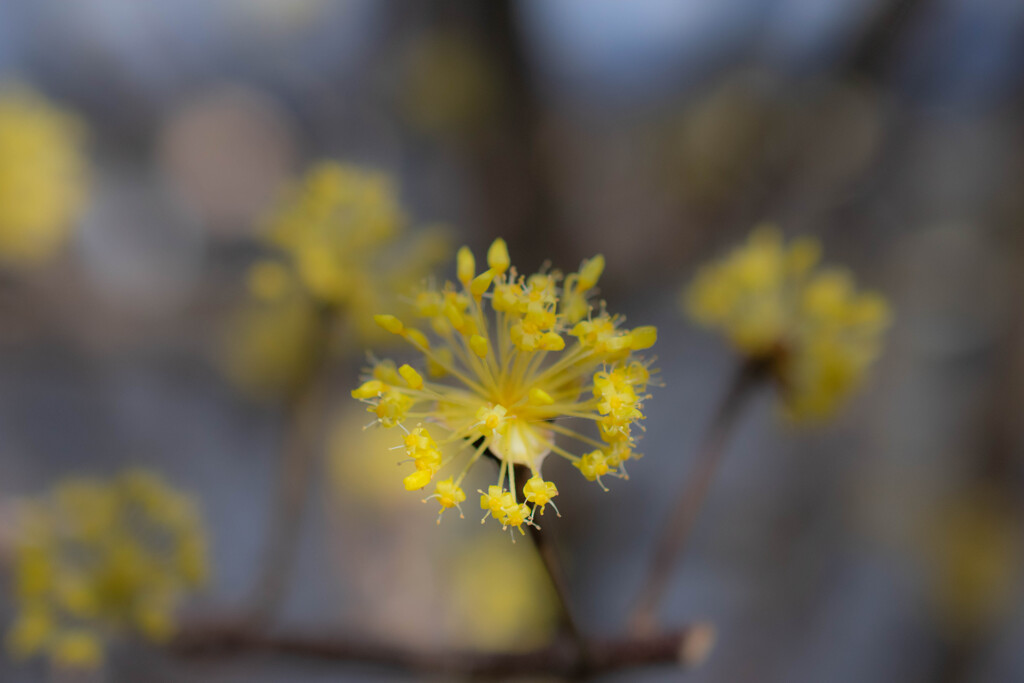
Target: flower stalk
[{"x": 694, "y": 491}]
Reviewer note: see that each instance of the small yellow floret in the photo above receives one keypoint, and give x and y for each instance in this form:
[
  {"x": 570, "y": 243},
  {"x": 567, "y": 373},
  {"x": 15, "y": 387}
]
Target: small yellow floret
[
  {"x": 389, "y": 323},
  {"x": 593, "y": 465},
  {"x": 643, "y": 337},
  {"x": 497, "y": 257},
  {"x": 515, "y": 515},
  {"x": 386, "y": 371},
  {"x": 539, "y": 397},
  {"x": 493, "y": 501},
  {"x": 479, "y": 345},
  {"x": 412, "y": 378},
  {"x": 418, "y": 439},
  {"x": 492, "y": 417},
  {"x": 369, "y": 389},
  {"x": 391, "y": 407},
  {"x": 417, "y": 480},
  {"x": 590, "y": 272},
  {"x": 551, "y": 341},
  {"x": 429, "y": 460},
  {"x": 465, "y": 267},
  {"x": 481, "y": 283},
  {"x": 448, "y": 495},
  {"x": 417, "y": 338},
  {"x": 539, "y": 492}
]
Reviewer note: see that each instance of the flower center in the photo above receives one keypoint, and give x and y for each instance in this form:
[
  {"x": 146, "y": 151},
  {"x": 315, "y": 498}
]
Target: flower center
[{"x": 522, "y": 443}]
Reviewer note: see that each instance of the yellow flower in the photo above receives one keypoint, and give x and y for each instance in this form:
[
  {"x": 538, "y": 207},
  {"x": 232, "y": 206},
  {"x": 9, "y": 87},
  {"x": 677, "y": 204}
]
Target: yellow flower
[
  {"x": 514, "y": 385},
  {"x": 340, "y": 228},
  {"x": 342, "y": 254},
  {"x": 94, "y": 558},
  {"x": 807, "y": 323},
  {"x": 42, "y": 176}
]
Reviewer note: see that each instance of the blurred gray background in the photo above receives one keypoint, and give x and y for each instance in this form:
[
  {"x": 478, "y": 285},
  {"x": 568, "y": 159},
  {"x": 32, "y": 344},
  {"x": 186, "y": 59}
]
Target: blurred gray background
[{"x": 655, "y": 131}]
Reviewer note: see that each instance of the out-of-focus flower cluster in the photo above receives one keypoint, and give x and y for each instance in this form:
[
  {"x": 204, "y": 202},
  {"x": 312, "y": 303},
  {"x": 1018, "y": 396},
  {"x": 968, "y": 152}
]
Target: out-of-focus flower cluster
[
  {"x": 342, "y": 255},
  {"x": 513, "y": 382},
  {"x": 817, "y": 334},
  {"x": 42, "y": 176},
  {"x": 96, "y": 559}
]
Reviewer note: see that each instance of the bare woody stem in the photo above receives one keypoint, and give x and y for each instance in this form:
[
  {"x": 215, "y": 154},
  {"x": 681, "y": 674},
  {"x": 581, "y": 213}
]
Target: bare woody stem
[
  {"x": 683, "y": 648},
  {"x": 691, "y": 497},
  {"x": 548, "y": 553},
  {"x": 305, "y": 411}
]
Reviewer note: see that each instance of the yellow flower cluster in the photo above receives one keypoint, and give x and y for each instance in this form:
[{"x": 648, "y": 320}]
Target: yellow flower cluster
[
  {"x": 94, "y": 559},
  {"x": 338, "y": 231},
  {"x": 42, "y": 176},
  {"x": 815, "y": 332},
  {"x": 513, "y": 382},
  {"x": 341, "y": 228}
]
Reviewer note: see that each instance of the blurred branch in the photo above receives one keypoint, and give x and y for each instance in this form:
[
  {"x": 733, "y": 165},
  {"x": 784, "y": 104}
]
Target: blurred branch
[
  {"x": 684, "y": 648},
  {"x": 878, "y": 44},
  {"x": 695, "y": 488},
  {"x": 511, "y": 156},
  {"x": 305, "y": 411}
]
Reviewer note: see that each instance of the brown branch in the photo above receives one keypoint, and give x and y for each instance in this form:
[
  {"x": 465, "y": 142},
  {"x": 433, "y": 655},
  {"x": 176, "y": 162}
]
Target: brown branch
[
  {"x": 549, "y": 557},
  {"x": 548, "y": 553},
  {"x": 695, "y": 488},
  {"x": 684, "y": 648}
]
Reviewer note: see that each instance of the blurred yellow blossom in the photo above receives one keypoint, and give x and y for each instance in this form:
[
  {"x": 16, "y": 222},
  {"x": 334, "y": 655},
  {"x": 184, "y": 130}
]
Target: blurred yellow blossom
[
  {"x": 501, "y": 597},
  {"x": 343, "y": 230},
  {"x": 343, "y": 254},
  {"x": 94, "y": 559},
  {"x": 807, "y": 323},
  {"x": 271, "y": 342},
  {"x": 513, "y": 382},
  {"x": 974, "y": 560},
  {"x": 42, "y": 176}
]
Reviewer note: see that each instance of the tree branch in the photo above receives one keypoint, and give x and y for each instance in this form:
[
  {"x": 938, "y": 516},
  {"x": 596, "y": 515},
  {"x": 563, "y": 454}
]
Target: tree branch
[
  {"x": 691, "y": 497},
  {"x": 305, "y": 413},
  {"x": 683, "y": 648}
]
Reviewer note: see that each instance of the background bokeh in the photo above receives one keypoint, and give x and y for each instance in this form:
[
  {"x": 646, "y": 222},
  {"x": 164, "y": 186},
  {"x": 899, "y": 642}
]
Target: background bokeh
[{"x": 883, "y": 545}]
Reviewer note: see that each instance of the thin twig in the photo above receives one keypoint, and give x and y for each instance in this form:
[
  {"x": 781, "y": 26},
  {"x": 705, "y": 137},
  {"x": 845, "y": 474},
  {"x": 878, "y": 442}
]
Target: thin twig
[
  {"x": 304, "y": 415},
  {"x": 695, "y": 488},
  {"x": 548, "y": 553},
  {"x": 685, "y": 648},
  {"x": 549, "y": 557}
]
